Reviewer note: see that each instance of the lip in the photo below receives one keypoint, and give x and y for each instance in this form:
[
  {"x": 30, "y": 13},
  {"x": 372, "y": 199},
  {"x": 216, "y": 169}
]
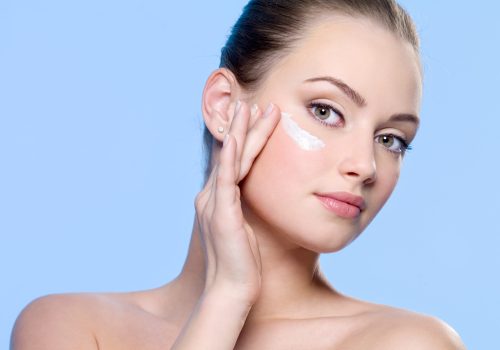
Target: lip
[{"x": 344, "y": 204}]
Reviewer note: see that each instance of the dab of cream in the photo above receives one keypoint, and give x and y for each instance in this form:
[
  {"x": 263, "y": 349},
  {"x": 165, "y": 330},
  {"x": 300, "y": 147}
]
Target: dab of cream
[{"x": 304, "y": 140}]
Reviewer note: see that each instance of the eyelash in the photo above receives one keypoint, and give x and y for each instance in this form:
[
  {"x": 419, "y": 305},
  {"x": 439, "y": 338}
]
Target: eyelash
[
  {"x": 329, "y": 107},
  {"x": 405, "y": 145}
]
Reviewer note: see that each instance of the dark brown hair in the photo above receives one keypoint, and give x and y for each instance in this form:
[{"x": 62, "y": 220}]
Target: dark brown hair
[{"x": 267, "y": 30}]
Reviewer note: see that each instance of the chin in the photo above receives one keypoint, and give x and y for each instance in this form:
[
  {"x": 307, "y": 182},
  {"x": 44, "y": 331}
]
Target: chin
[
  {"x": 316, "y": 233},
  {"x": 329, "y": 242}
]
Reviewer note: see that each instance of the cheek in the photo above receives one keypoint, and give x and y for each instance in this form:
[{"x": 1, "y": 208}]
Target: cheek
[
  {"x": 281, "y": 172},
  {"x": 387, "y": 179}
]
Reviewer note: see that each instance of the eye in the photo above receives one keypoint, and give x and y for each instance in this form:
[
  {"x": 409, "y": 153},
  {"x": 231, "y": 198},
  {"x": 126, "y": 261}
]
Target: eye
[
  {"x": 326, "y": 114},
  {"x": 393, "y": 143}
]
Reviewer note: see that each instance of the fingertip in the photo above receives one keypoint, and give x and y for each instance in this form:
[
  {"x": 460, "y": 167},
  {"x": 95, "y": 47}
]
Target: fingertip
[
  {"x": 225, "y": 175},
  {"x": 255, "y": 111},
  {"x": 275, "y": 116},
  {"x": 272, "y": 112},
  {"x": 228, "y": 141},
  {"x": 237, "y": 107},
  {"x": 276, "y": 111},
  {"x": 269, "y": 110}
]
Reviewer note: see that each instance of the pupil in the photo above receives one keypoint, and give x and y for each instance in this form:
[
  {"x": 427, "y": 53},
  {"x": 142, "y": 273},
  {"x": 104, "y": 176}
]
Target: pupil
[{"x": 322, "y": 113}]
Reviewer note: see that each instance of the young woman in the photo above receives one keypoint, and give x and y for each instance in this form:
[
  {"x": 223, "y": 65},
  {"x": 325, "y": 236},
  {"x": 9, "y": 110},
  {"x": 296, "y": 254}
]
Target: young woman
[{"x": 307, "y": 122}]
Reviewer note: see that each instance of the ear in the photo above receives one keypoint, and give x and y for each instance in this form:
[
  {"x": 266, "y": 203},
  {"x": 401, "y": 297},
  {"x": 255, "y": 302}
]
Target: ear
[{"x": 219, "y": 101}]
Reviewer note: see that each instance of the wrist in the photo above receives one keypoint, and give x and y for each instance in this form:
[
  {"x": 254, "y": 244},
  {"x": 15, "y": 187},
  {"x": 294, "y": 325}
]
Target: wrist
[
  {"x": 229, "y": 298},
  {"x": 215, "y": 323}
]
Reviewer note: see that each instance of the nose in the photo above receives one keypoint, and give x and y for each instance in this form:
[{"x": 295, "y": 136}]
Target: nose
[{"x": 357, "y": 162}]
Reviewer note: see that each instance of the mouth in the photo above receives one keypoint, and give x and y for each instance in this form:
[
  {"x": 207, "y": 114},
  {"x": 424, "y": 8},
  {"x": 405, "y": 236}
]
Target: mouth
[{"x": 343, "y": 204}]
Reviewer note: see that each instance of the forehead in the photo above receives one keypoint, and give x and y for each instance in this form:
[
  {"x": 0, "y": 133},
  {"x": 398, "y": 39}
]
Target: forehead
[{"x": 371, "y": 59}]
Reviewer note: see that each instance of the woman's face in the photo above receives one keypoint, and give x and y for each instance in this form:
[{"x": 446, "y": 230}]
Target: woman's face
[{"x": 351, "y": 92}]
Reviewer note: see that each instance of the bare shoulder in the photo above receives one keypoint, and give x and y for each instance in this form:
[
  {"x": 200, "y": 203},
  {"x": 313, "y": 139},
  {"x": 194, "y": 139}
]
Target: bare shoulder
[
  {"x": 393, "y": 328},
  {"x": 91, "y": 321},
  {"x": 56, "y": 322}
]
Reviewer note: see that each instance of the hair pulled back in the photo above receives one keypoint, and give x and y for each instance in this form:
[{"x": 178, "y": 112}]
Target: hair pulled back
[{"x": 268, "y": 29}]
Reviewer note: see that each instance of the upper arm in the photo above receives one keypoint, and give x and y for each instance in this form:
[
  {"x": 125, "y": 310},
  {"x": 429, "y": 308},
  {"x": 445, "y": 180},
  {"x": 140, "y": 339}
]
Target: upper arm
[
  {"x": 52, "y": 322},
  {"x": 420, "y": 332}
]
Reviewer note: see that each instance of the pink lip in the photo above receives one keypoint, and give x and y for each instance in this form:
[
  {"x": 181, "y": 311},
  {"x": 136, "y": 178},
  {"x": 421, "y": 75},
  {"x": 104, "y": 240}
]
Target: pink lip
[{"x": 343, "y": 204}]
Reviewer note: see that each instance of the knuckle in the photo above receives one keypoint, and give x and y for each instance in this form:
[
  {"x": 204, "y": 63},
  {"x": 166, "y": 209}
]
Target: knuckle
[
  {"x": 222, "y": 178},
  {"x": 220, "y": 219},
  {"x": 199, "y": 201},
  {"x": 213, "y": 226}
]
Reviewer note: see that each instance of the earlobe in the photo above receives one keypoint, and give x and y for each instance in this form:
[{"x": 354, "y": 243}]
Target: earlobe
[{"x": 219, "y": 99}]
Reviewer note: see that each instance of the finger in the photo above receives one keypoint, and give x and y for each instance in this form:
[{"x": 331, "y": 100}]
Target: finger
[
  {"x": 205, "y": 214},
  {"x": 257, "y": 138},
  {"x": 211, "y": 194},
  {"x": 254, "y": 246},
  {"x": 239, "y": 129},
  {"x": 211, "y": 179},
  {"x": 203, "y": 196},
  {"x": 255, "y": 114},
  {"x": 225, "y": 187}
]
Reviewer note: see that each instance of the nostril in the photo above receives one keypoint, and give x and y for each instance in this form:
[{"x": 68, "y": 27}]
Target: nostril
[
  {"x": 367, "y": 178},
  {"x": 359, "y": 169},
  {"x": 370, "y": 180}
]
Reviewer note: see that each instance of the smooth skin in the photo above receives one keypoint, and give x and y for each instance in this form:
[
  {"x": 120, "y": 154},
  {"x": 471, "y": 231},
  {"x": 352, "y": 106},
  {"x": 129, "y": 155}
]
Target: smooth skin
[{"x": 251, "y": 279}]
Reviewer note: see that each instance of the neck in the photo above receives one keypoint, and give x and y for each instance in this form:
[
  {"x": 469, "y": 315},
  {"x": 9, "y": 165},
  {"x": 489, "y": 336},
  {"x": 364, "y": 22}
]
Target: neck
[{"x": 290, "y": 276}]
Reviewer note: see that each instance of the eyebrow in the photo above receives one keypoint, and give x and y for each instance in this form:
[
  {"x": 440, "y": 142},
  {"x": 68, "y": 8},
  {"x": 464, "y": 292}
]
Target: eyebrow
[
  {"x": 404, "y": 117},
  {"x": 360, "y": 100},
  {"x": 346, "y": 89}
]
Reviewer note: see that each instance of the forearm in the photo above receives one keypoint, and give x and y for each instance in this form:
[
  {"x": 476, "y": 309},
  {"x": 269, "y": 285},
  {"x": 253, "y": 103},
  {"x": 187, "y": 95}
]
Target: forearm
[{"x": 215, "y": 323}]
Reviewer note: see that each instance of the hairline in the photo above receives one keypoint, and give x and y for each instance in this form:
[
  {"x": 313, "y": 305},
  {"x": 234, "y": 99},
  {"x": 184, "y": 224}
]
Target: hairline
[{"x": 269, "y": 62}]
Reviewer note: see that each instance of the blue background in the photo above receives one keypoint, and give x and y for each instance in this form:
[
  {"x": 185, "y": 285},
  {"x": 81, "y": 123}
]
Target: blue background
[{"x": 100, "y": 158}]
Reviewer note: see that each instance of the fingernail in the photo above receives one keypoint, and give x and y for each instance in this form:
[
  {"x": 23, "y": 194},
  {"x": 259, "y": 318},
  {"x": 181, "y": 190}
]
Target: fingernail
[
  {"x": 238, "y": 107},
  {"x": 255, "y": 109},
  {"x": 269, "y": 110},
  {"x": 226, "y": 137}
]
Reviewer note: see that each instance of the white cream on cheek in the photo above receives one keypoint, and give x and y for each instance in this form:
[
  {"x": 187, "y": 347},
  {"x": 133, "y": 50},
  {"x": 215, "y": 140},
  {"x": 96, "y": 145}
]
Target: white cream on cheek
[{"x": 302, "y": 138}]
